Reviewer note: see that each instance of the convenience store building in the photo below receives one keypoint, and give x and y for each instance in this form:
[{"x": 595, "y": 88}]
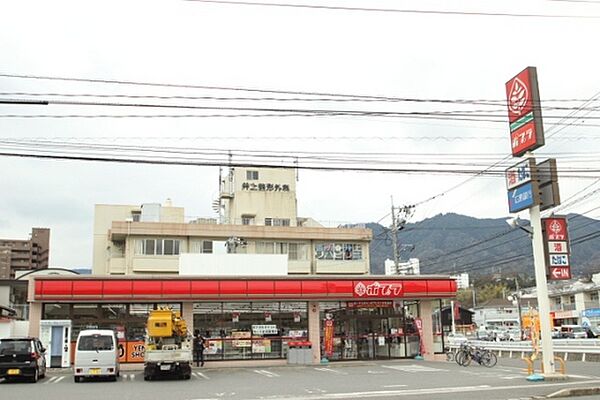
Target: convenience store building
[{"x": 250, "y": 318}]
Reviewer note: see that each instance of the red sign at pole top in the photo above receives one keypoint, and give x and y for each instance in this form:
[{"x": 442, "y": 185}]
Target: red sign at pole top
[
  {"x": 523, "y": 138},
  {"x": 519, "y": 94},
  {"x": 524, "y": 113}
]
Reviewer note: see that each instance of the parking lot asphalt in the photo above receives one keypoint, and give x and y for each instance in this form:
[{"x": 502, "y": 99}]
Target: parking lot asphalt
[{"x": 389, "y": 379}]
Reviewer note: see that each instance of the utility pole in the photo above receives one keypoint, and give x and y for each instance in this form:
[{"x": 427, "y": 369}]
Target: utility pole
[
  {"x": 518, "y": 296},
  {"x": 453, "y": 317},
  {"x": 395, "y": 240},
  {"x": 398, "y": 224}
]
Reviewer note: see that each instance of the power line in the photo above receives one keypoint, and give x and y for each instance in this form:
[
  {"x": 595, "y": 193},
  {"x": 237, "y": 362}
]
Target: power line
[
  {"x": 349, "y": 112},
  {"x": 281, "y": 158},
  {"x": 488, "y": 103},
  {"x": 393, "y": 10}
]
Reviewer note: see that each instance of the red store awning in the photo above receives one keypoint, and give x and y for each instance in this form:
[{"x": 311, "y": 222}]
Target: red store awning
[{"x": 133, "y": 289}]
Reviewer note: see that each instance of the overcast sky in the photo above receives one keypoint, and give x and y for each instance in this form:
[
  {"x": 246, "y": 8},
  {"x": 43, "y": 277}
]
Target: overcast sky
[{"x": 393, "y": 54}]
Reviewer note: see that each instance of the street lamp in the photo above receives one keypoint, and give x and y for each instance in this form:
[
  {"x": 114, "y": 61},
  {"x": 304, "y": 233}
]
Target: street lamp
[{"x": 516, "y": 223}]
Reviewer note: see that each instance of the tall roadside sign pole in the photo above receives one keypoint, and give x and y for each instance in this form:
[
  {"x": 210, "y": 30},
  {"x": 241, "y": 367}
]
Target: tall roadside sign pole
[
  {"x": 542, "y": 290},
  {"x": 527, "y": 189}
]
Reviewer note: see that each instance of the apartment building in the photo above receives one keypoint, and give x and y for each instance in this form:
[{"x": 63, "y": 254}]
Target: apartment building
[
  {"x": 576, "y": 303},
  {"x": 23, "y": 255}
]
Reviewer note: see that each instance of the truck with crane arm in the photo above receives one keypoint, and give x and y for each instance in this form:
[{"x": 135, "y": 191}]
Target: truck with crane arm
[{"x": 168, "y": 346}]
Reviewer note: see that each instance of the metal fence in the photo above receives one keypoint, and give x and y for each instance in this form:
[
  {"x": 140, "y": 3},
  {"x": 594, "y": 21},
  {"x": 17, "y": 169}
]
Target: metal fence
[{"x": 573, "y": 349}]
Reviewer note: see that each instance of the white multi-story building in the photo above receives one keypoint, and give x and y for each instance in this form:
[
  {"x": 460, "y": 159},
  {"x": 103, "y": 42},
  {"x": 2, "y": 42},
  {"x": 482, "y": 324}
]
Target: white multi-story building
[
  {"x": 410, "y": 267},
  {"x": 462, "y": 280},
  {"x": 573, "y": 302},
  {"x": 259, "y": 216}
]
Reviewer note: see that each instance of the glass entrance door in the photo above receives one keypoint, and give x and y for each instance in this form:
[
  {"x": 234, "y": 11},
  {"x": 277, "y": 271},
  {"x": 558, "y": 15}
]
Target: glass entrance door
[{"x": 372, "y": 338}]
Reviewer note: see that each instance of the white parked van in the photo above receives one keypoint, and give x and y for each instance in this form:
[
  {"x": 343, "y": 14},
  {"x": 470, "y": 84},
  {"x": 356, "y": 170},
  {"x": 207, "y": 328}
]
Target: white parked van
[{"x": 96, "y": 355}]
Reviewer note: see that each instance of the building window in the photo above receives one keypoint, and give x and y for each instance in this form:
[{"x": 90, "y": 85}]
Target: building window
[
  {"x": 201, "y": 246},
  {"x": 247, "y": 219},
  {"x": 136, "y": 215},
  {"x": 572, "y": 299},
  {"x": 277, "y": 221},
  {"x": 171, "y": 247},
  {"x": 252, "y": 175},
  {"x": 159, "y": 247},
  {"x": 338, "y": 251},
  {"x": 149, "y": 246},
  {"x": 295, "y": 251},
  {"x": 594, "y": 296}
]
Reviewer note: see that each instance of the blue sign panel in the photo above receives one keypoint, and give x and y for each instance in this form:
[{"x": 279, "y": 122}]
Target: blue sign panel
[
  {"x": 521, "y": 198},
  {"x": 591, "y": 312}
]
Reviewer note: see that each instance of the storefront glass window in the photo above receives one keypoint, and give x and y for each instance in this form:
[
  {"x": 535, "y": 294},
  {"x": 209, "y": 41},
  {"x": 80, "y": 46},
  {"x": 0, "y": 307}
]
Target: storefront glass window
[
  {"x": 250, "y": 330},
  {"x": 85, "y": 312},
  {"x": 113, "y": 311},
  {"x": 56, "y": 311}
]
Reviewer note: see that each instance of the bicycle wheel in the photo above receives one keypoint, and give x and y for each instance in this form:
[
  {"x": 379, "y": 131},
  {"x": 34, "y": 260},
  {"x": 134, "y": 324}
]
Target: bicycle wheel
[
  {"x": 463, "y": 358},
  {"x": 488, "y": 359},
  {"x": 458, "y": 357},
  {"x": 450, "y": 355}
]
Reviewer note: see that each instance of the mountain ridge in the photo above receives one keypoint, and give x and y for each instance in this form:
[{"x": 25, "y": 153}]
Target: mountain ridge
[{"x": 449, "y": 243}]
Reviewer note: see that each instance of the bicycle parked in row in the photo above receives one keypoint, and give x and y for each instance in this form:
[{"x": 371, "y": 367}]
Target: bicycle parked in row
[{"x": 466, "y": 353}]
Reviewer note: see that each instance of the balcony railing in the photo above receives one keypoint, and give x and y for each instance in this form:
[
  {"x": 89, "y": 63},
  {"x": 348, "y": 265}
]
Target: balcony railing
[
  {"x": 563, "y": 307},
  {"x": 591, "y": 304}
]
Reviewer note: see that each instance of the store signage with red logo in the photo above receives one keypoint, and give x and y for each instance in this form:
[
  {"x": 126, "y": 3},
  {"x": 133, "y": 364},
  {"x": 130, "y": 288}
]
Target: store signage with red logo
[
  {"x": 524, "y": 114},
  {"x": 556, "y": 246},
  {"x": 377, "y": 289},
  {"x": 187, "y": 289},
  {"x": 523, "y": 138}
]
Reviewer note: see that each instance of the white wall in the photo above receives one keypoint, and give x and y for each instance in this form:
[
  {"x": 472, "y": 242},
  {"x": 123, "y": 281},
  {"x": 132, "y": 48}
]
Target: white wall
[
  {"x": 12, "y": 328},
  {"x": 6, "y": 328},
  {"x": 233, "y": 264}
]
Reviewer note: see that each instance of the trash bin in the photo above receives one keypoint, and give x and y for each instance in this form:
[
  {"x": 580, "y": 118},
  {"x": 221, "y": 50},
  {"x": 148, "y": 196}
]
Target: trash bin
[
  {"x": 292, "y": 354},
  {"x": 299, "y": 353},
  {"x": 305, "y": 353}
]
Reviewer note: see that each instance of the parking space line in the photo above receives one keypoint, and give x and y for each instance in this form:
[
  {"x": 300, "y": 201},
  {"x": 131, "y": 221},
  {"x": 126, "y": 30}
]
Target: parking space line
[
  {"x": 50, "y": 380},
  {"x": 414, "y": 368},
  {"x": 60, "y": 378},
  {"x": 393, "y": 386},
  {"x": 268, "y": 374},
  {"x": 199, "y": 375},
  {"x": 333, "y": 371}
]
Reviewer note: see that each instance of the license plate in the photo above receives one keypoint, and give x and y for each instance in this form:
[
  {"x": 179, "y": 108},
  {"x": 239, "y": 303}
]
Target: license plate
[
  {"x": 165, "y": 367},
  {"x": 14, "y": 371},
  {"x": 95, "y": 371}
]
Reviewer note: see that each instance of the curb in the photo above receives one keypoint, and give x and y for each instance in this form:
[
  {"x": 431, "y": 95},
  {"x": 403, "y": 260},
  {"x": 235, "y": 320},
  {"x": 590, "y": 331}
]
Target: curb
[{"x": 573, "y": 392}]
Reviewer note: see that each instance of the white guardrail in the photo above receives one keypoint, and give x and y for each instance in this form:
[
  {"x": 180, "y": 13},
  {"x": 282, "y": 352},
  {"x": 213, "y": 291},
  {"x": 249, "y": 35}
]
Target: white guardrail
[{"x": 562, "y": 347}]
